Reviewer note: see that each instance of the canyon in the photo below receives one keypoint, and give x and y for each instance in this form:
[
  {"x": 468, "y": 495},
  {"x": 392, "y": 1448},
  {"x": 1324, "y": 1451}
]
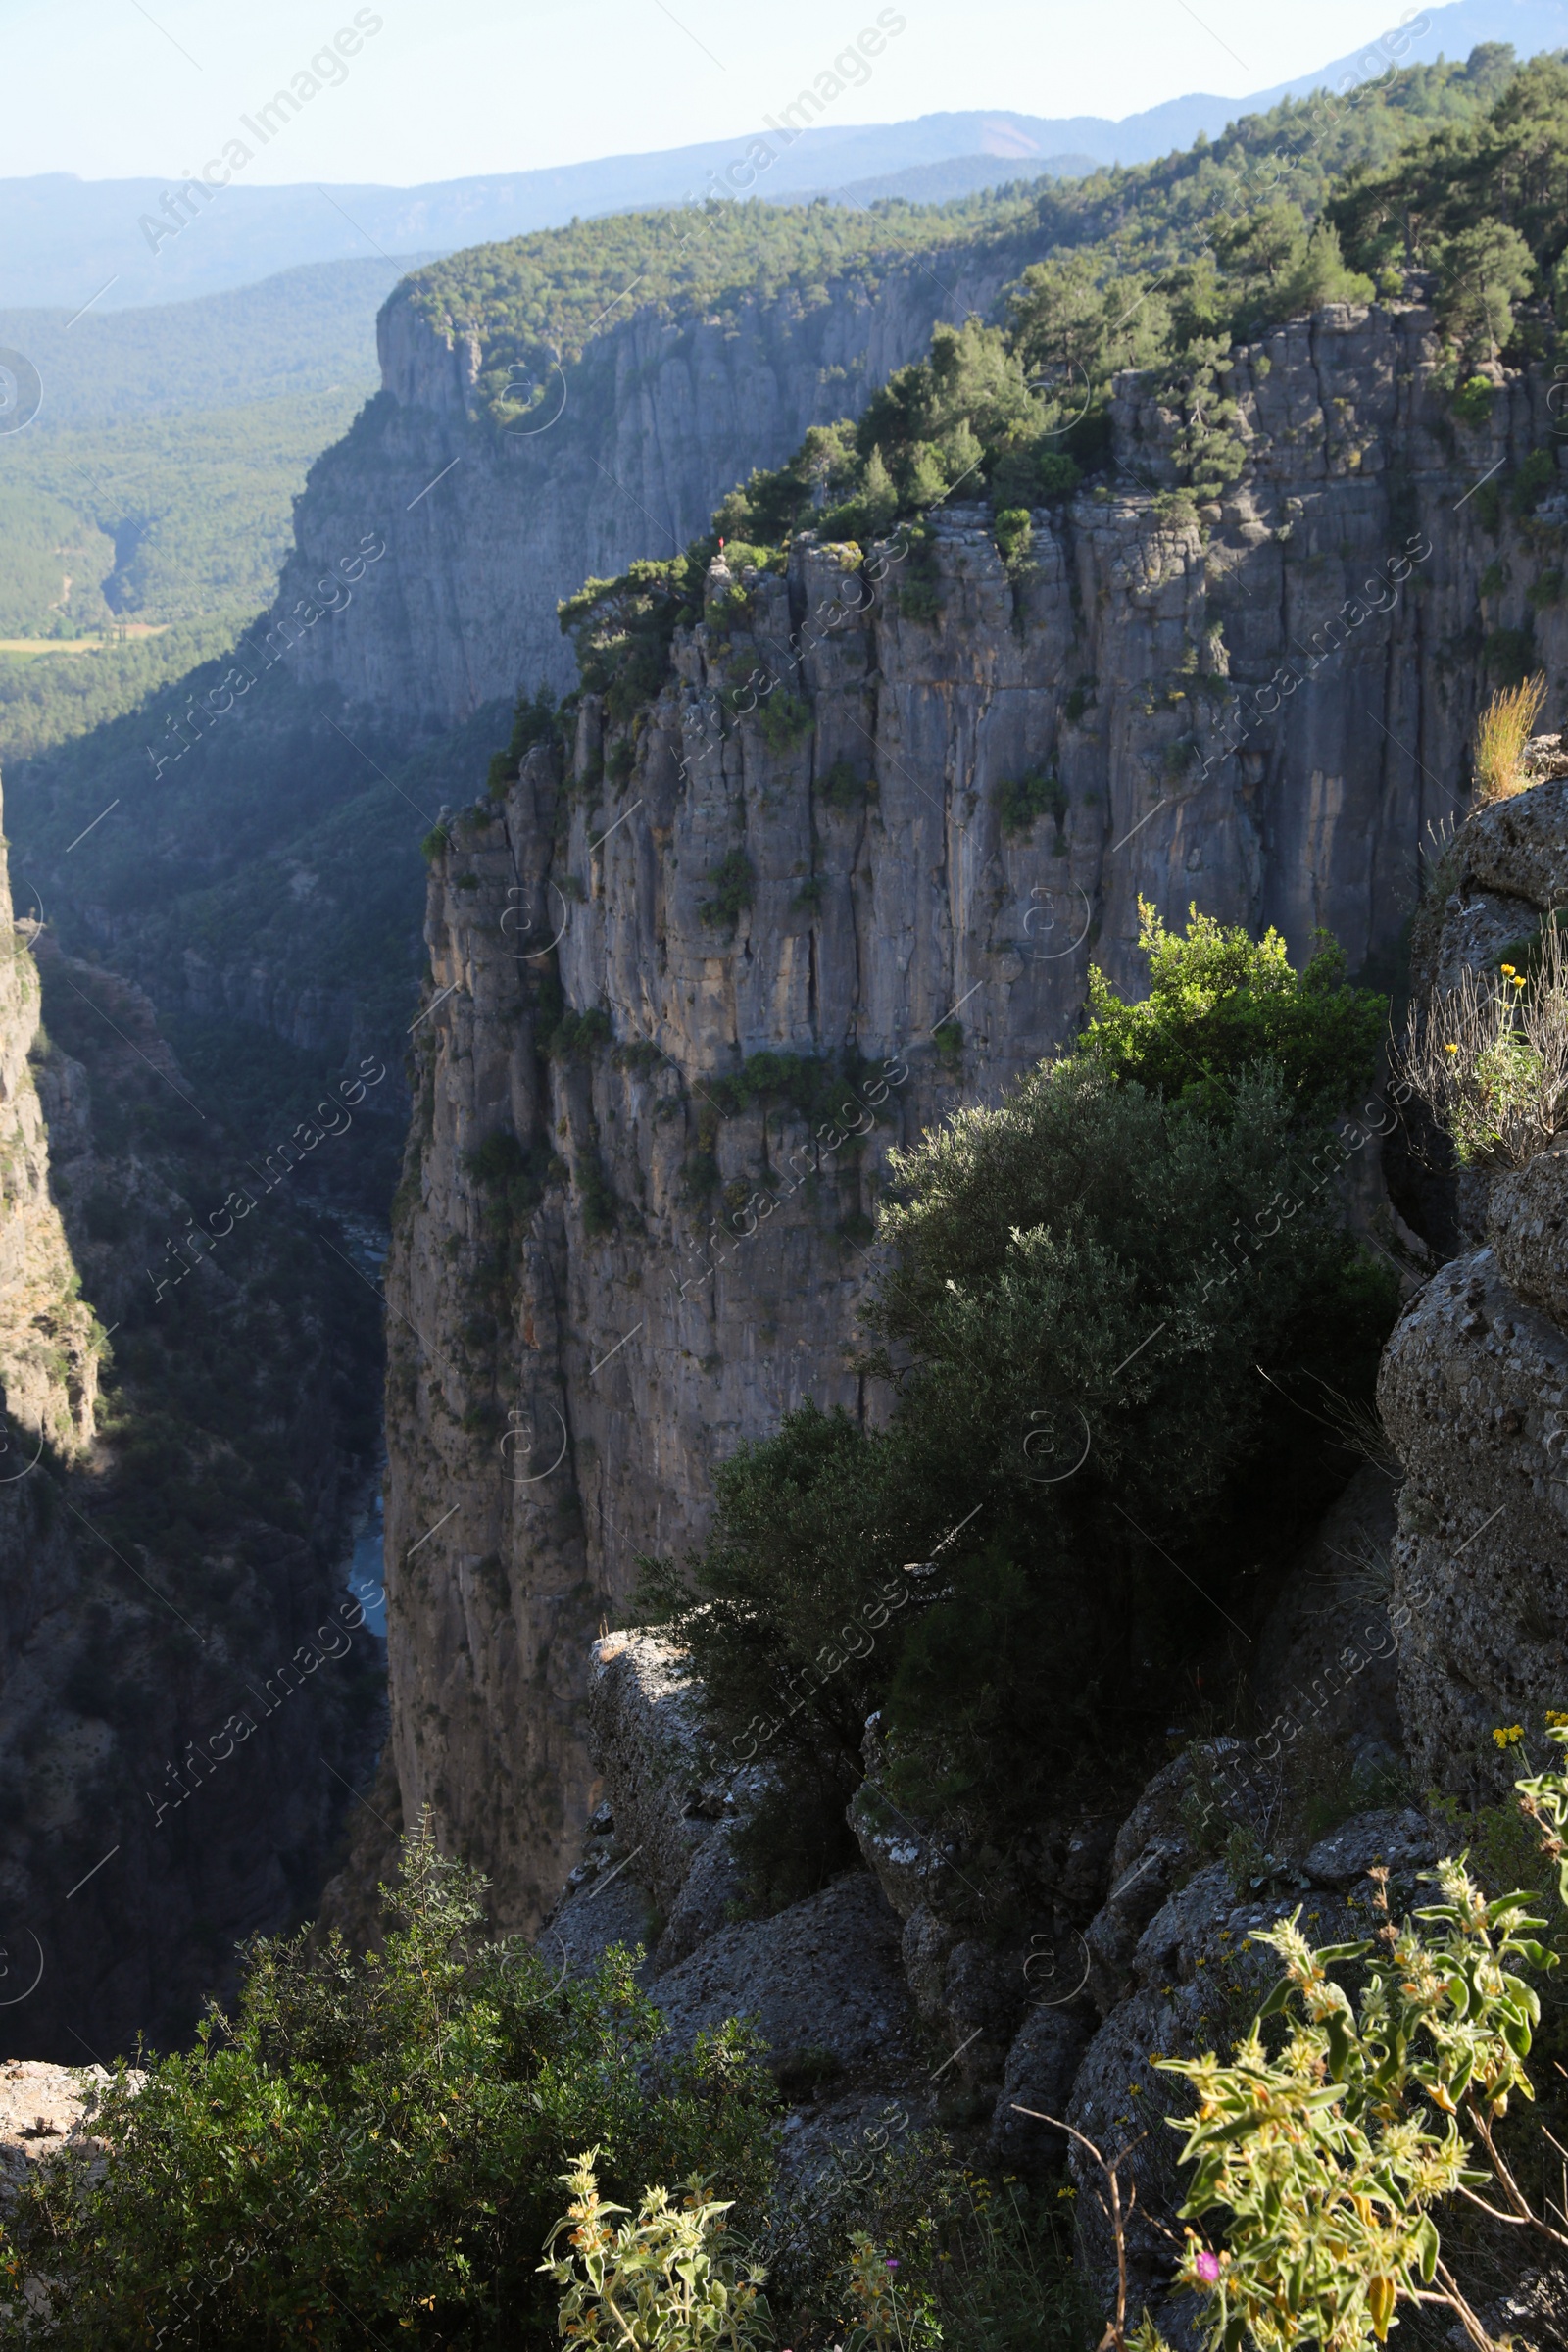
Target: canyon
[
  {"x": 1260, "y": 707},
  {"x": 626, "y": 1242},
  {"x": 175, "y": 1476}
]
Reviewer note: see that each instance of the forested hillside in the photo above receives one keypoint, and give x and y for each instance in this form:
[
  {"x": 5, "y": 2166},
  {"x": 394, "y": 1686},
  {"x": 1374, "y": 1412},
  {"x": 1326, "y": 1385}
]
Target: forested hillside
[
  {"x": 874, "y": 772},
  {"x": 155, "y": 484}
]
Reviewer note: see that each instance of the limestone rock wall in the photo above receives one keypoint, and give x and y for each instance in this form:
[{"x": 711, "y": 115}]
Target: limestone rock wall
[
  {"x": 619, "y": 1258},
  {"x": 167, "y": 1771},
  {"x": 48, "y": 1364},
  {"x": 657, "y": 421}
]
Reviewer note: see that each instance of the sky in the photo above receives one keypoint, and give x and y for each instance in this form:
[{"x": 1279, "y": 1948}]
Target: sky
[{"x": 440, "y": 89}]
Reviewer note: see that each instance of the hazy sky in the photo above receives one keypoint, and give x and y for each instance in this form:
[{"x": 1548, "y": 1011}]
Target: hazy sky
[{"x": 109, "y": 89}]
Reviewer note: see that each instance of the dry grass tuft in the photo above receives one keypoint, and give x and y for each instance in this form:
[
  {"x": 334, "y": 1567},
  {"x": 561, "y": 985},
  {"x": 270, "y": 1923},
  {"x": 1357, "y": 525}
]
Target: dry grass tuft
[{"x": 1502, "y": 730}]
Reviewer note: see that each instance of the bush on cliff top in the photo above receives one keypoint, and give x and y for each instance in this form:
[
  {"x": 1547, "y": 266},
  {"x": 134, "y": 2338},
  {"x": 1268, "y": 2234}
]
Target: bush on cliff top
[
  {"x": 371, "y": 2147},
  {"x": 1100, "y": 1289}
]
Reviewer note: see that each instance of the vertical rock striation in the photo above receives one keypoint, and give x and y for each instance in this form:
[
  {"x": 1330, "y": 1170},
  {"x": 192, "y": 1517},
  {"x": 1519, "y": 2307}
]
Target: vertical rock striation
[{"x": 626, "y": 1241}]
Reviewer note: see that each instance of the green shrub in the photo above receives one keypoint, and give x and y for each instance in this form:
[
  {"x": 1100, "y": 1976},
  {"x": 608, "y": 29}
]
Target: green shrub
[
  {"x": 1058, "y": 475},
  {"x": 1484, "y": 269},
  {"x": 1220, "y": 1003},
  {"x": 1471, "y": 400},
  {"x": 536, "y": 719},
  {"x": 980, "y": 2258},
  {"x": 1489, "y": 1058},
  {"x": 811, "y": 1084},
  {"x": 844, "y": 788},
  {"x": 1531, "y": 481},
  {"x": 621, "y": 629},
  {"x": 784, "y": 720},
  {"x": 947, "y": 1038},
  {"x": 733, "y": 882},
  {"x": 919, "y": 598},
  {"x": 373, "y": 2145},
  {"x": 1509, "y": 656},
  {"x": 1072, "y": 1330},
  {"x": 1322, "y": 2156},
  {"x": 436, "y": 843},
  {"x": 1014, "y": 537},
  {"x": 577, "y": 1036},
  {"x": 663, "y": 2281},
  {"x": 600, "y": 1211},
  {"x": 498, "y": 1161},
  {"x": 1024, "y": 800}
]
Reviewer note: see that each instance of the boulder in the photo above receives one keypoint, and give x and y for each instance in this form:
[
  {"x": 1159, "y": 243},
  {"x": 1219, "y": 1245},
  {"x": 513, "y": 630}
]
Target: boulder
[
  {"x": 644, "y": 1733},
  {"x": 825, "y": 1976},
  {"x": 603, "y": 1905},
  {"x": 1528, "y": 1230},
  {"x": 1520, "y": 846},
  {"x": 1325, "y": 1658},
  {"x": 1152, "y": 1854},
  {"x": 1474, "y": 1393},
  {"x": 1195, "y": 1981},
  {"x": 1041, "y": 2066}
]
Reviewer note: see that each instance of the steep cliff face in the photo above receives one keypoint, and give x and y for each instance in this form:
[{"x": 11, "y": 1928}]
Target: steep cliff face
[
  {"x": 619, "y": 1256},
  {"x": 48, "y": 1363},
  {"x": 180, "y": 1686},
  {"x": 486, "y": 528}
]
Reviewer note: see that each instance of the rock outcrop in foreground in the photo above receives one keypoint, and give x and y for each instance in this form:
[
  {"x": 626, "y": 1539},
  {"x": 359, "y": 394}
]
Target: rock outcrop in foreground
[{"x": 1474, "y": 1385}]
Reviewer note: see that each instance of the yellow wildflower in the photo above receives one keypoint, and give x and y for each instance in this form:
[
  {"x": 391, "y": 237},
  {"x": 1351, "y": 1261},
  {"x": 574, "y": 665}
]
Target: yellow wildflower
[
  {"x": 1450, "y": 1049},
  {"x": 1554, "y": 1717},
  {"x": 1508, "y": 1735}
]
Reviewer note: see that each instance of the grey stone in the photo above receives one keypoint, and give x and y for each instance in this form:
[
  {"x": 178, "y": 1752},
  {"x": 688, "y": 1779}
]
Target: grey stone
[
  {"x": 1528, "y": 1230},
  {"x": 1474, "y": 1393},
  {"x": 824, "y": 1974},
  {"x": 648, "y": 1747},
  {"x": 710, "y": 1885},
  {"x": 601, "y": 1912},
  {"x": 926, "y": 1942},
  {"x": 1401, "y": 1842},
  {"x": 1326, "y": 1657},
  {"x": 1042, "y": 2064},
  {"x": 1195, "y": 1981}
]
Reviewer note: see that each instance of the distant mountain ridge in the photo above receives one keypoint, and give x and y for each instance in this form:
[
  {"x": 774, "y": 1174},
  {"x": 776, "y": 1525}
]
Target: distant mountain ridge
[
  {"x": 959, "y": 175},
  {"x": 66, "y": 241}
]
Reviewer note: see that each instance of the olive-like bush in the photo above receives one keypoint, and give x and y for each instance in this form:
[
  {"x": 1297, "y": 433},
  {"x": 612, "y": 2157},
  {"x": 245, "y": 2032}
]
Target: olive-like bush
[{"x": 371, "y": 2148}]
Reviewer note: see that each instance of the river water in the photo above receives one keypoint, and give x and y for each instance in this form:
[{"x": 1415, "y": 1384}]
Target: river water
[{"x": 366, "y": 1242}]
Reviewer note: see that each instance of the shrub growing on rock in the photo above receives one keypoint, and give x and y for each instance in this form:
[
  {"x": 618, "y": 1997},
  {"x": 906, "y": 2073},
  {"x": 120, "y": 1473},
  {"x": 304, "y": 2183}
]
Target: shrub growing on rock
[
  {"x": 1489, "y": 1058},
  {"x": 1084, "y": 1458},
  {"x": 371, "y": 2147}
]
